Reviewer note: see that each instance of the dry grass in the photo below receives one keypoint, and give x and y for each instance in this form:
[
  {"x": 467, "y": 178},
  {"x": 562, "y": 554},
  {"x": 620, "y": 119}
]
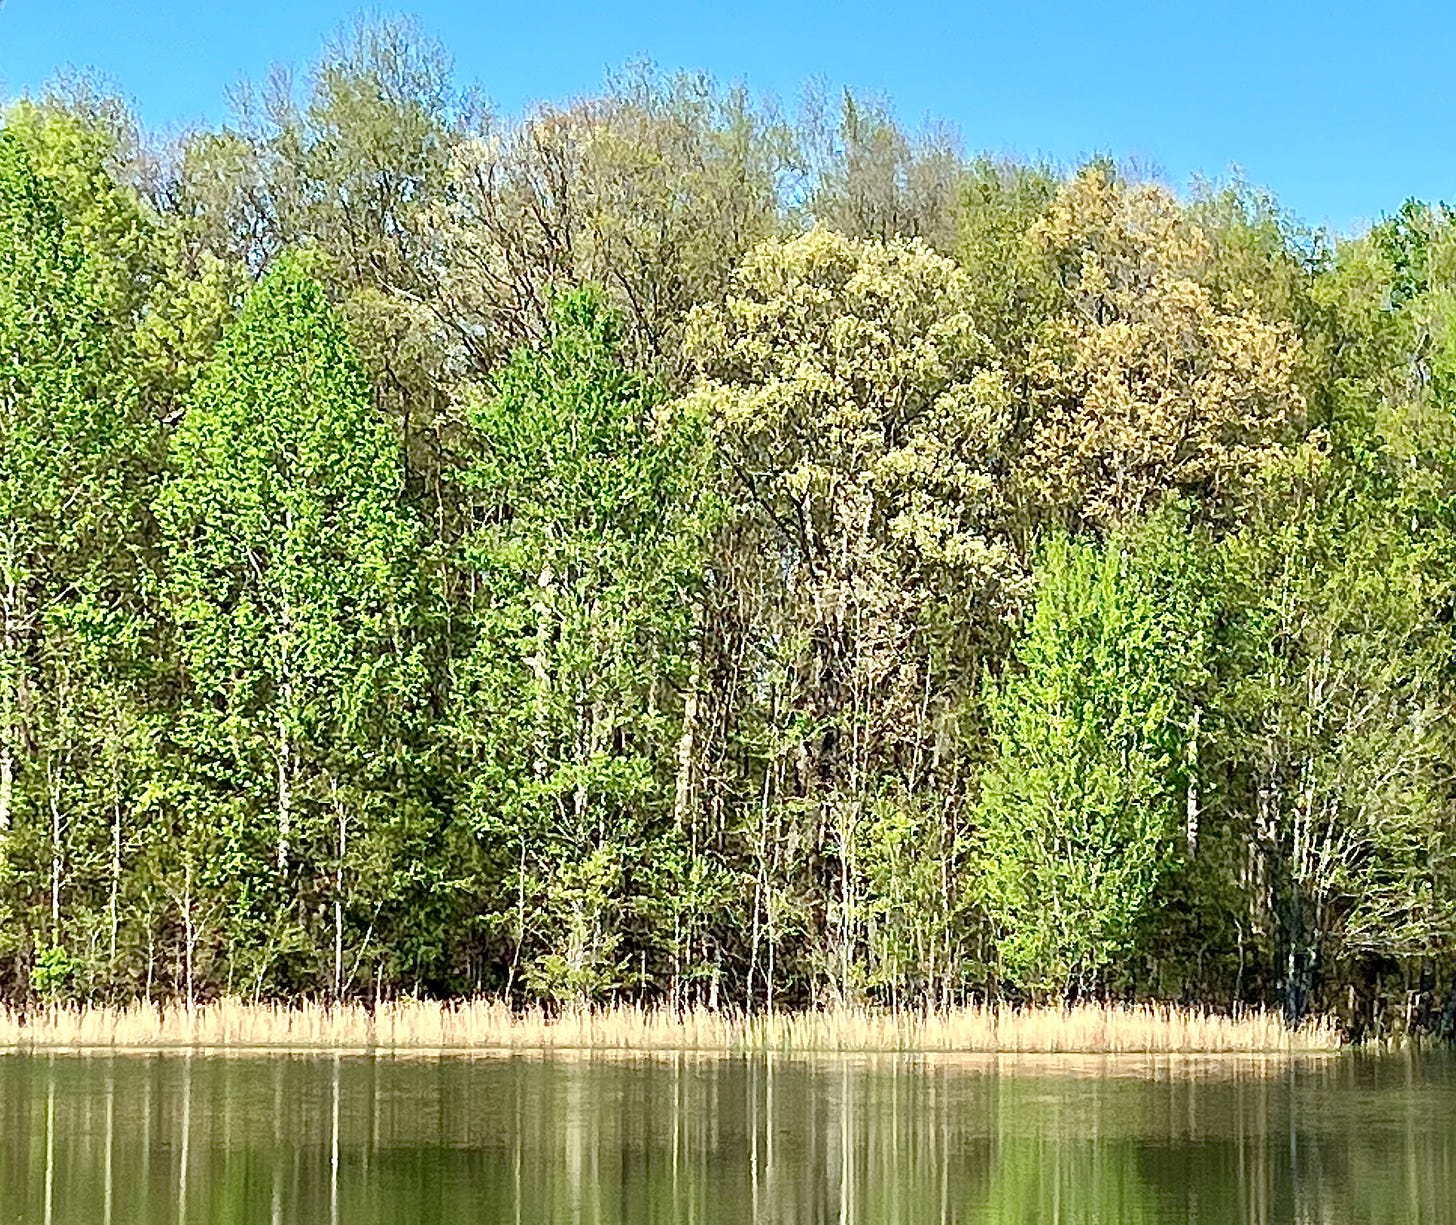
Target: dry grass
[{"x": 419, "y": 1026}]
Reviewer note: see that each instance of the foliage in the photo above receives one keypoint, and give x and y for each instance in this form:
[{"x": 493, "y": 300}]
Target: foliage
[
  {"x": 1080, "y": 806},
  {"x": 858, "y": 421},
  {"x": 586, "y": 495},
  {"x": 668, "y": 547},
  {"x": 1336, "y": 693},
  {"x": 285, "y": 585},
  {"x": 1143, "y": 382}
]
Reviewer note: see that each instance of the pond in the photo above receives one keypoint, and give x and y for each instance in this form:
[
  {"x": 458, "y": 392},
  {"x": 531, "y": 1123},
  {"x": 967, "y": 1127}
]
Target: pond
[{"x": 683, "y": 1140}]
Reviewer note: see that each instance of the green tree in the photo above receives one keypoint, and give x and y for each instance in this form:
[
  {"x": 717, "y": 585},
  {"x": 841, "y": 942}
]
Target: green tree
[
  {"x": 586, "y": 563},
  {"x": 288, "y": 586},
  {"x": 860, "y": 422},
  {"x": 74, "y": 443},
  {"x": 1081, "y": 805},
  {"x": 1335, "y": 696},
  {"x": 1001, "y": 207}
]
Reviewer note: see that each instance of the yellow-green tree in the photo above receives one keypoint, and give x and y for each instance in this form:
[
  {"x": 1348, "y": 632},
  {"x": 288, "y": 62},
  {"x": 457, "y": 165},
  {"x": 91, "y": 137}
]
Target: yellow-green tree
[
  {"x": 1081, "y": 806},
  {"x": 860, "y": 419},
  {"x": 1144, "y": 380}
]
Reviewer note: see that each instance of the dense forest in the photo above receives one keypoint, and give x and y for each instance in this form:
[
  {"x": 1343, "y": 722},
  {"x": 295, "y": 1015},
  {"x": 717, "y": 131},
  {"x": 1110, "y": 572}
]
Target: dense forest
[{"x": 682, "y": 548}]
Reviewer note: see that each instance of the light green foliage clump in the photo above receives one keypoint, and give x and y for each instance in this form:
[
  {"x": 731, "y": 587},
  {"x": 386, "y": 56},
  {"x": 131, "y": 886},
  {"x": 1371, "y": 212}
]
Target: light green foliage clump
[{"x": 1082, "y": 803}]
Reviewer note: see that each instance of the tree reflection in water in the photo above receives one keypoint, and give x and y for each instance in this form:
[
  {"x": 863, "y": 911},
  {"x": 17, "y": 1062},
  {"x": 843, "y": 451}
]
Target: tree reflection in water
[{"x": 681, "y": 1140}]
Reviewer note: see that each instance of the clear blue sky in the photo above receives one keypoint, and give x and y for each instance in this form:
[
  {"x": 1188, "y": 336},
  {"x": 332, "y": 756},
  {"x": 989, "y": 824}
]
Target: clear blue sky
[{"x": 1342, "y": 109}]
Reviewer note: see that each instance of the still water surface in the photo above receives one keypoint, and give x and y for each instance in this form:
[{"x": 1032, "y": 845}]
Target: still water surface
[{"x": 694, "y": 1141}]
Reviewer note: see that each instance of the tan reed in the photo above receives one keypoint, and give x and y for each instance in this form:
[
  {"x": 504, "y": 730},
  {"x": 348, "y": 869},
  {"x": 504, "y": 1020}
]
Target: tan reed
[{"x": 482, "y": 1025}]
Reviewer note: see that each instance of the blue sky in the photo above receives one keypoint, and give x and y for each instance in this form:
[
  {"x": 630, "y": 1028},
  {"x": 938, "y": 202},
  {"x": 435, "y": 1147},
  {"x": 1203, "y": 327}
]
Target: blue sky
[{"x": 1343, "y": 110}]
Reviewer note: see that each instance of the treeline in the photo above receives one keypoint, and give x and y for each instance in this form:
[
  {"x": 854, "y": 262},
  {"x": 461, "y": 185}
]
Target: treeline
[{"x": 669, "y": 547}]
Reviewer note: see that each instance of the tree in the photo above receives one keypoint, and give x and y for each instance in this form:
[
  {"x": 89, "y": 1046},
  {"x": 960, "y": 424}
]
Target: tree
[
  {"x": 653, "y": 192},
  {"x": 869, "y": 178},
  {"x": 1335, "y": 704},
  {"x": 1081, "y": 805},
  {"x": 586, "y": 564},
  {"x": 74, "y": 439},
  {"x": 1013, "y": 291},
  {"x": 289, "y": 554},
  {"x": 860, "y": 424},
  {"x": 1143, "y": 382}
]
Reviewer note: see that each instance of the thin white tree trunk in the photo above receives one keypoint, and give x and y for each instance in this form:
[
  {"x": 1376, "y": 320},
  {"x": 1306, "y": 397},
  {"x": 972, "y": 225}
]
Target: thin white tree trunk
[
  {"x": 113, "y": 906},
  {"x": 683, "y": 791},
  {"x": 284, "y": 713},
  {"x": 10, "y": 644},
  {"x": 540, "y": 672},
  {"x": 190, "y": 938},
  {"x": 339, "y": 898},
  {"x": 57, "y": 829},
  {"x": 285, "y": 781},
  {"x": 1192, "y": 799},
  {"x": 7, "y": 766}
]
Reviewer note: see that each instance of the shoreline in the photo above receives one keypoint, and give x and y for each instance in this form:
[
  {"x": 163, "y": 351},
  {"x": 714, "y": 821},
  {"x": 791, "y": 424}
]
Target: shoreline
[{"x": 490, "y": 1028}]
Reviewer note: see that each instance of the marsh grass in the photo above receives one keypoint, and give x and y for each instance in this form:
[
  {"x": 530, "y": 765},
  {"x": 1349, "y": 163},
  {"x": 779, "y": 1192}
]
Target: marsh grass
[{"x": 423, "y": 1026}]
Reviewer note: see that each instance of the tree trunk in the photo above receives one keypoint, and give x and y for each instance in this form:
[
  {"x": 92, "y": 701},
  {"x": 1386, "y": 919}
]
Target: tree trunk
[
  {"x": 190, "y": 937},
  {"x": 10, "y": 646},
  {"x": 113, "y": 909},
  {"x": 682, "y": 792},
  {"x": 540, "y": 672},
  {"x": 285, "y": 782},
  {"x": 1191, "y": 808},
  {"x": 1301, "y": 958},
  {"x": 284, "y": 714},
  {"x": 57, "y": 829},
  {"x": 339, "y": 899},
  {"x": 7, "y": 768}
]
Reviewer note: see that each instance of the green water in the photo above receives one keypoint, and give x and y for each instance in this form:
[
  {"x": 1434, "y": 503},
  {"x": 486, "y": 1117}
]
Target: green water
[{"x": 216, "y": 1141}]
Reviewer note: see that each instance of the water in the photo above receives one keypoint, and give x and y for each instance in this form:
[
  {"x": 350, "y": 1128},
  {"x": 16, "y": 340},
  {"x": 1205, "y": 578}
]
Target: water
[{"x": 528, "y": 1141}]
